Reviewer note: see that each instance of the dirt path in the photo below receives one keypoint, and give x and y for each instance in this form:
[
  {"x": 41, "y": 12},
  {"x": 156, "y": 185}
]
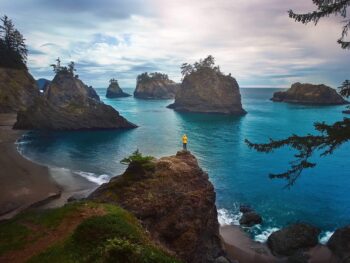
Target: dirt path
[{"x": 50, "y": 236}]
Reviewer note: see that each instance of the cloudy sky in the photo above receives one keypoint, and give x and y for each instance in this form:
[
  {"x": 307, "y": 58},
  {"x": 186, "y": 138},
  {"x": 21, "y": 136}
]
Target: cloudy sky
[{"x": 252, "y": 39}]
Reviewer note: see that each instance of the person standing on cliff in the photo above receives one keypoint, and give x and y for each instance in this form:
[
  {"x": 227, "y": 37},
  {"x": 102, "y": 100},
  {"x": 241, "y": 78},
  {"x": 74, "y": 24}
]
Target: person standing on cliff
[{"x": 184, "y": 142}]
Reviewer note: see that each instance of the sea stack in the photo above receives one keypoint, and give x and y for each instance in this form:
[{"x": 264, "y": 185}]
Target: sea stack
[
  {"x": 309, "y": 94},
  {"x": 69, "y": 104},
  {"x": 174, "y": 200},
  {"x": 18, "y": 90},
  {"x": 114, "y": 91},
  {"x": 205, "y": 89},
  {"x": 155, "y": 86}
]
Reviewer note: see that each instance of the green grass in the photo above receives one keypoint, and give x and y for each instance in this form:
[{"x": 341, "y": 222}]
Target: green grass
[
  {"x": 15, "y": 233},
  {"x": 114, "y": 237}
]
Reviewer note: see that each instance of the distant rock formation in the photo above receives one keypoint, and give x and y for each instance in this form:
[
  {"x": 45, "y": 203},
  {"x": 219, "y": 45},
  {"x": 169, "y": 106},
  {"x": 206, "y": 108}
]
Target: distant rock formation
[
  {"x": 114, "y": 91},
  {"x": 155, "y": 86},
  {"x": 69, "y": 104},
  {"x": 43, "y": 83},
  {"x": 174, "y": 200},
  {"x": 309, "y": 94},
  {"x": 18, "y": 90},
  {"x": 205, "y": 89},
  {"x": 288, "y": 241}
]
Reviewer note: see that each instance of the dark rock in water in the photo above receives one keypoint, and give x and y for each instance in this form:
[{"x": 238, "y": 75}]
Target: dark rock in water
[
  {"x": 339, "y": 243},
  {"x": 346, "y": 111},
  {"x": 309, "y": 94},
  {"x": 245, "y": 209},
  {"x": 287, "y": 241},
  {"x": 250, "y": 219},
  {"x": 155, "y": 86},
  {"x": 69, "y": 104},
  {"x": 175, "y": 201},
  {"x": 208, "y": 91},
  {"x": 114, "y": 91},
  {"x": 43, "y": 83},
  {"x": 18, "y": 90}
]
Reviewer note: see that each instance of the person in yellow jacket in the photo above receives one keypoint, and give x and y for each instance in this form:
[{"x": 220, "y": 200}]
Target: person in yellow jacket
[{"x": 184, "y": 142}]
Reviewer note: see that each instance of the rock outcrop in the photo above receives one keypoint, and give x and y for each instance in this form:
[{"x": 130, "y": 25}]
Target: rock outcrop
[
  {"x": 339, "y": 243},
  {"x": 114, "y": 91},
  {"x": 18, "y": 90},
  {"x": 309, "y": 94},
  {"x": 69, "y": 104},
  {"x": 43, "y": 84},
  {"x": 155, "y": 86},
  {"x": 250, "y": 219},
  {"x": 208, "y": 91},
  {"x": 288, "y": 241},
  {"x": 174, "y": 200}
]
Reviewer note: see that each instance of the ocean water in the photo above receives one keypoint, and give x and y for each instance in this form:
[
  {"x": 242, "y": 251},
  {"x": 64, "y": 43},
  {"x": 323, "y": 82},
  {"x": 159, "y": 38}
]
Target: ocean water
[{"x": 240, "y": 175}]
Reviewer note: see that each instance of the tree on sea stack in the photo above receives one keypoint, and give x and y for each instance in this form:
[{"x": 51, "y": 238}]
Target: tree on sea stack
[
  {"x": 330, "y": 137},
  {"x": 13, "y": 50},
  {"x": 57, "y": 68}
]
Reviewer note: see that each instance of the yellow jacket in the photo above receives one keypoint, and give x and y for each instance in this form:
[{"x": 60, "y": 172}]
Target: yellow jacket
[{"x": 184, "y": 139}]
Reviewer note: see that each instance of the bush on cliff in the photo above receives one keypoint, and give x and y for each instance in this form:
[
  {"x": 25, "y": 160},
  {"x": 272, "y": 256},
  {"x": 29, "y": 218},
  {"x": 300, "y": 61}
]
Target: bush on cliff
[{"x": 137, "y": 159}]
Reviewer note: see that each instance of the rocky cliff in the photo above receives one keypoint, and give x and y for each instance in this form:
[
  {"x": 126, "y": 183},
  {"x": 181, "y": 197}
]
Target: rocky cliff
[
  {"x": 114, "y": 91},
  {"x": 174, "y": 200},
  {"x": 309, "y": 94},
  {"x": 69, "y": 104},
  {"x": 208, "y": 91},
  {"x": 155, "y": 86},
  {"x": 18, "y": 90}
]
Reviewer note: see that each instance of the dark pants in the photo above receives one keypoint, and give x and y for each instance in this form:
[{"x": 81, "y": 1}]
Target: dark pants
[{"x": 184, "y": 146}]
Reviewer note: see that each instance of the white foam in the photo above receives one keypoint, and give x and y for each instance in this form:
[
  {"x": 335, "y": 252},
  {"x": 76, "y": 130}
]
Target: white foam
[
  {"x": 325, "y": 236},
  {"x": 262, "y": 237},
  {"x": 97, "y": 179},
  {"x": 226, "y": 217}
]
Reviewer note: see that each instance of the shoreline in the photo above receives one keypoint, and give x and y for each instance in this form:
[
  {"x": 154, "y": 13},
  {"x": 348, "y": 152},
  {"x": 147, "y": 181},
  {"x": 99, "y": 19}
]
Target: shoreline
[
  {"x": 29, "y": 184},
  {"x": 240, "y": 247}
]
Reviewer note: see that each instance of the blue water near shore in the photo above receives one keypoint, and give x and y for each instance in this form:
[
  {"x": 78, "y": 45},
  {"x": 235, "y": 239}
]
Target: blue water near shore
[{"x": 240, "y": 175}]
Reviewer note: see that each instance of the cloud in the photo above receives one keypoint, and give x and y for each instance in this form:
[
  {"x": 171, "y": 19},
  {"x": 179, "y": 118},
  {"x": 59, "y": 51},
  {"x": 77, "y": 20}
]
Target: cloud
[{"x": 252, "y": 39}]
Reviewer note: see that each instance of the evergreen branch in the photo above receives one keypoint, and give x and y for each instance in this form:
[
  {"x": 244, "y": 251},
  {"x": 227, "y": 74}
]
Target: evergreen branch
[{"x": 332, "y": 136}]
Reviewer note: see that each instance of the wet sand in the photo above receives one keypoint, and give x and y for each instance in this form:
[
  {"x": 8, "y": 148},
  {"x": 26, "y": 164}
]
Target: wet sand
[
  {"x": 25, "y": 184},
  {"x": 240, "y": 247}
]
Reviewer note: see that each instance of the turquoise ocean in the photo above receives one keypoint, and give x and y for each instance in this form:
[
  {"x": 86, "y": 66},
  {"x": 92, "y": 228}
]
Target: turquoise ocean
[{"x": 240, "y": 175}]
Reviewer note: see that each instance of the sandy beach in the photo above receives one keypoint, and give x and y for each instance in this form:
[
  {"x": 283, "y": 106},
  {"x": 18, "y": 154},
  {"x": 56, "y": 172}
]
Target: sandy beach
[
  {"x": 27, "y": 184},
  {"x": 23, "y": 183},
  {"x": 239, "y": 246}
]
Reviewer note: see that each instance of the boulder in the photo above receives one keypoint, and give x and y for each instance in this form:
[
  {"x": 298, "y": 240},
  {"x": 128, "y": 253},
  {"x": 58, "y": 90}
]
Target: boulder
[
  {"x": 69, "y": 104},
  {"x": 175, "y": 201},
  {"x": 245, "y": 209},
  {"x": 309, "y": 94},
  {"x": 250, "y": 219},
  {"x": 155, "y": 86},
  {"x": 114, "y": 91},
  {"x": 18, "y": 90},
  {"x": 339, "y": 243},
  {"x": 208, "y": 91},
  {"x": 287, "y": 241}
]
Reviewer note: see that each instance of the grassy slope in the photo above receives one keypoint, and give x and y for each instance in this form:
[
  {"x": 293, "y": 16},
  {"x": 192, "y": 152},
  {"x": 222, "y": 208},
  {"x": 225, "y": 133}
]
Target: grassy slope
[{"x": 112, "y": 236}]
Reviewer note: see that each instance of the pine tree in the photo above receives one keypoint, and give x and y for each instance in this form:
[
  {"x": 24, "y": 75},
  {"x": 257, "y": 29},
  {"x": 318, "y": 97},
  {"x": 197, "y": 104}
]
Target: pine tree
[
  {"x": 13, "y": 49},
  {"x": 330, "y": 137}
]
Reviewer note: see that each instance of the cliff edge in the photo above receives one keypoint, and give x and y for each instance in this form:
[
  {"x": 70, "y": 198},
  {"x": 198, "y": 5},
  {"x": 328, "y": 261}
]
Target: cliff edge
[{"x": 174, "y": 200}]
